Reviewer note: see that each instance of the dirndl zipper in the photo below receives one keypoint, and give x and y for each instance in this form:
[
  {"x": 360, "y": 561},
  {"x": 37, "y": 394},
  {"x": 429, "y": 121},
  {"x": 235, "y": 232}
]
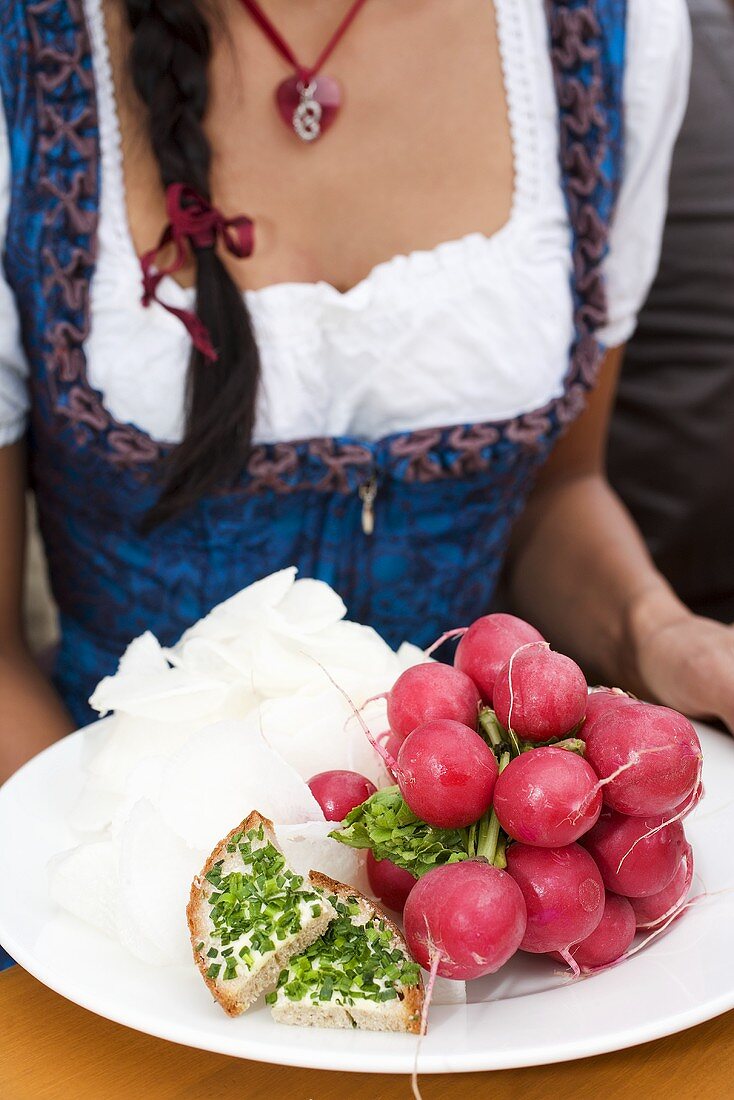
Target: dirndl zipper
[{"x": 368, "y": 494}]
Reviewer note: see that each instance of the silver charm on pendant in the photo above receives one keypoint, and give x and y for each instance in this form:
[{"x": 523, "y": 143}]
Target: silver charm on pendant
[{"x": 307, "y": 115}]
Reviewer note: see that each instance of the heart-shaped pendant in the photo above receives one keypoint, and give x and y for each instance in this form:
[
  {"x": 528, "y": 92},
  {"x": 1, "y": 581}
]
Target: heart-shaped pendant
[{"x": 308, "y": 107}]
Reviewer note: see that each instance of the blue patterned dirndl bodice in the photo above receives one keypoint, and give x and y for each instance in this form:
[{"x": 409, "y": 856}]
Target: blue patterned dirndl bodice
[{"x": 446, "y": 497}]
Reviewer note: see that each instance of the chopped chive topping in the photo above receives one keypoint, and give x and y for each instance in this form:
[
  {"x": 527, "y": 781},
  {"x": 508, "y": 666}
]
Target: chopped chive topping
[
  {"x": 350, "y": 962},
  {"x": 255, "y": 908}
]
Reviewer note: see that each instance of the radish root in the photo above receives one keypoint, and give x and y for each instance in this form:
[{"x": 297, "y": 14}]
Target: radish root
[
  {"x": 677, "y": 907},
  {"x": 388, "y": 759},
  {"x": 435, "y": 961},
  {"x": 458, "y": 633},
  {"x": 373, "y": 699},
  {"x": 648, "y": 939},
  {"x": 519, "y": 649},
  {"x": 692, "y": 802},
  {"x": 677, "y": 911},
  {"x": 590, "y": 971},
  {"x": 589, "y": 798},
  {"x": 569, "y": 960}
]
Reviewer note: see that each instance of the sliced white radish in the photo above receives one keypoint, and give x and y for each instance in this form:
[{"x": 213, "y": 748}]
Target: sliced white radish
[
  {"x": 308, "y": 847},
  {"x": 309, "y": 731},
  {"x": 351, "y": 646},
  {"x": 130, "y": 741},
  {"x": 446, "y": 991},
  {"x": 156, "y": 869},
  {"x": 409, "y": 655},
  {"x": 162, "y": 694},
  {"x": 208, "y": 657},
  {"x": 228, "y": 619},
  {"x": 84, "y": 881},
  {"x": 95, "y": 808},
  {"x": 220, "y": 775},
  {"x": 144, "y": 654},
  {"x": 143, "y": 782},
  {"x": 308, "y": 607}
]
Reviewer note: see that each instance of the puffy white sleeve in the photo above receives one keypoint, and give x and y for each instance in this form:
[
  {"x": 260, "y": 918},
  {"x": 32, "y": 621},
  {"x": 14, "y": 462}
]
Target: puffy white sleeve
[
  {"x": 14, "y": 399},
  {"x": 655, "y": 96}
]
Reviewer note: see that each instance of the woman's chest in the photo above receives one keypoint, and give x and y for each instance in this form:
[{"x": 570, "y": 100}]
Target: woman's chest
[
  {"x": 420, "y": 152},
  {"x": 458, "y": 307}
]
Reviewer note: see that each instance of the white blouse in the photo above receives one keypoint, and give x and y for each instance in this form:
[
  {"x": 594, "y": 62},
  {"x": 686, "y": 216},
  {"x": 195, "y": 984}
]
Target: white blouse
[{"x": 485, "y": 323}]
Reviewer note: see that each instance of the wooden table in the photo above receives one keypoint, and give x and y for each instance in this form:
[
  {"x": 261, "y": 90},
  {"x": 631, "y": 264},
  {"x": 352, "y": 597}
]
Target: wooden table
[{"x": 52, "y": 1050}]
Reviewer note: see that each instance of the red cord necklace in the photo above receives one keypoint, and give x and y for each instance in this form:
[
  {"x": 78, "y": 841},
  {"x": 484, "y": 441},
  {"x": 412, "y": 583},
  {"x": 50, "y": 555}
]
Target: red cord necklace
[{"x": 306, "y": 101}]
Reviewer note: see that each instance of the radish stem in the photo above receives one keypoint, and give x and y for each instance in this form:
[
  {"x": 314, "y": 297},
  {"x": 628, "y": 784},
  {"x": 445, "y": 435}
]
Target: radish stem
[
  {"x": 572, "y": 744},
  {"x": 490, "y": 725},
  {"x": 489, "y": 828},
  {"x": 471, "y": 842}
]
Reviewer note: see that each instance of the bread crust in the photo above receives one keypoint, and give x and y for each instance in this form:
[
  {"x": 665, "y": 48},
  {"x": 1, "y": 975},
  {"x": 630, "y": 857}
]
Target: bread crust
[{"x": 236, "y": 998}]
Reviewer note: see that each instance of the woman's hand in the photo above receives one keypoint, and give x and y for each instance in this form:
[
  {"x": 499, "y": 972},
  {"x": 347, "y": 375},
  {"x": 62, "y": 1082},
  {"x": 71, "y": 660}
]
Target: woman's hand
[
  {"x": 581, "y": 573},
  {"x": 683, "y": 660}
]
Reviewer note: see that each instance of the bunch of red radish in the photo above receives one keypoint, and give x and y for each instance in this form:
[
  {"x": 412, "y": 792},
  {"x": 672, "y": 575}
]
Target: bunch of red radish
[{"x": 582, "y": 794}]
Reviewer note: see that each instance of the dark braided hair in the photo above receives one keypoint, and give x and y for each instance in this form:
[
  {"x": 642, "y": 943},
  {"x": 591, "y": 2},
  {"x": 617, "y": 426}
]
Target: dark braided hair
[{"x": 169, "y": 57}]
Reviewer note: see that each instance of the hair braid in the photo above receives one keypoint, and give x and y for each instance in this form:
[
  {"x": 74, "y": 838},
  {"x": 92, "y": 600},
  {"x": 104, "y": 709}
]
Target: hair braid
[{"x": 169, "y": 58}]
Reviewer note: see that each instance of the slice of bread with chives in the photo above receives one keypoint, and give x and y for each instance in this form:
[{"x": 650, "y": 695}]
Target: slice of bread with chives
[
  {"x": 249, "y": 913},
  {"x": 357, "y": 975}
]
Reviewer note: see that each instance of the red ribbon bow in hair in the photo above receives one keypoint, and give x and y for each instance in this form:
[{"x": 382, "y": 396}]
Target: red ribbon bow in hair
[{"x": 192, "y": 222}]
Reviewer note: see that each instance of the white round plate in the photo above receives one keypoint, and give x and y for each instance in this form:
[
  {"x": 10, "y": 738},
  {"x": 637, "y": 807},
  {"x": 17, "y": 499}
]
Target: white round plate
[{"x": 525, "y": 1015}]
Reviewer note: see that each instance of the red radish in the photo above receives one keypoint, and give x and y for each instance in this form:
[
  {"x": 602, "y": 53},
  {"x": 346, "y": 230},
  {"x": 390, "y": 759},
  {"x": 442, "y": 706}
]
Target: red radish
[
  {"x": 548, "y": 797},
  {"x": 611, "y": 937},
  {"x": 600, "y": 701},
  {"x": 446, "y": 774},
  {"x": 488, "y": 644},
  {"x": 445, "y": 771},
  {"x": 654, "y": 911},
  {"x": 540, "y": 694},
  {"x": 660, "y": 743},
  {"x": 637, "y": 856},
  {"x": 388, "y": 882},
  {"x": 471, "y": 915},
  {"x": 431, "y": 691},
  {"x": 338, "y": 792},
  {"x": 563, "y": 892}
]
